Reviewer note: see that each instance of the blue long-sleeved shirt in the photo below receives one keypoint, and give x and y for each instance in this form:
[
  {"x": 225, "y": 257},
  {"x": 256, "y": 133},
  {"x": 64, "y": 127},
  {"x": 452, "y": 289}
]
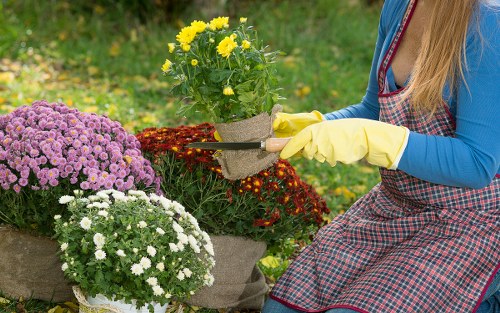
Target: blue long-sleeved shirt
[{"x": 472, "y": 157}]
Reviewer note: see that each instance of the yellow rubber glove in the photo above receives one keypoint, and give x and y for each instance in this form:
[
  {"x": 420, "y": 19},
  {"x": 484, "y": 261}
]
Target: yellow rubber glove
[
  {"x": 287, "y": 125},
  {"x": 349, "y": 140}
]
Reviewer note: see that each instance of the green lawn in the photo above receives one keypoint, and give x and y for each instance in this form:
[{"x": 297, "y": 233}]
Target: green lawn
[{"x": 104, "y": 58}]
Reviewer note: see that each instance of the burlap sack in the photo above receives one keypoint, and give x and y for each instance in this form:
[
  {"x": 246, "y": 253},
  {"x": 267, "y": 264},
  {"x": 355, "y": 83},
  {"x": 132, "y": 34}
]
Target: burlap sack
[
  {"x": 238, "y": 164},
  {"x": 238, "y": 283},
  {"x": 30, "y": 267}
]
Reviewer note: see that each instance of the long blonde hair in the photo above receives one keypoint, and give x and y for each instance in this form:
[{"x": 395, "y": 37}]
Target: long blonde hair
[{"x": 441, "y": 59}]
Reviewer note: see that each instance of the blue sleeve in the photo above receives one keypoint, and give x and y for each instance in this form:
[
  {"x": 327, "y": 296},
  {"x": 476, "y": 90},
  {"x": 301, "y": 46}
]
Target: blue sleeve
[{"x": 472, "y": 157}]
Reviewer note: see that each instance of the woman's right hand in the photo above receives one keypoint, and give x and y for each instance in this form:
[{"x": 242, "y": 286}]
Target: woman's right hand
[{"x": 287, "y": 125}]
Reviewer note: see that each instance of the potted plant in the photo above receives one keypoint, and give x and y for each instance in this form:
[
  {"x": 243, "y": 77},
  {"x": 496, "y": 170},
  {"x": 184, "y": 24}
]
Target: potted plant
[
  {"x": 262, "y": 209},
  {"x": 227, "y": 76},
  {"x": 132, "y": 251},
  {"x": 47, "y": 150}
]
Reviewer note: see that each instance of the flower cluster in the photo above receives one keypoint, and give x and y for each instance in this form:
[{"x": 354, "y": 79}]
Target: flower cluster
[
  {"x": 223, "y": 73},
  {"x": 269, "y": 206},
  {"x": 53, "y": 148},
  {"x": 114, "y": 242}
]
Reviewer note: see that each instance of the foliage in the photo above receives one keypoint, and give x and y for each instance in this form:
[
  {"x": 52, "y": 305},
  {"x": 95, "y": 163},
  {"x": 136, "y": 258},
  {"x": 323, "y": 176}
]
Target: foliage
[
  {"x": 48, "y": 149},
  {"x": 223, "y": 73},
  {"x": 133, "y": 247},
  {"x": 273, "y": 204}
]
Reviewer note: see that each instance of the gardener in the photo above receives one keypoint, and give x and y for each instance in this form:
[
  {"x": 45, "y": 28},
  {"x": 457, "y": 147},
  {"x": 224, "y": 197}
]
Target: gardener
[{"x": 427, "y": 238}]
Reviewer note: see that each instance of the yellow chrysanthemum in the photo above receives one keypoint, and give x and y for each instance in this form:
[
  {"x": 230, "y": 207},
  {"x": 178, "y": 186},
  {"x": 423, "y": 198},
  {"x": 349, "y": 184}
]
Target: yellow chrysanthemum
[
  {"x": 185, "y": 47},
  {"x": 166, "y": 66},
  {"x": 219, "y": 23},
  {"x": 245, "y": 44},
  {"x": 243, "y": 20},
  {"x": 194, "y": 62},
  {"x": 233, "y": 36},
  {"x": 228, "y": 91},
  {"x": 199, "y": 26},
  {"x": 226, "y": 46},
  {"x": 186, "y": 35},
  {"x": 171, "y": 47}
]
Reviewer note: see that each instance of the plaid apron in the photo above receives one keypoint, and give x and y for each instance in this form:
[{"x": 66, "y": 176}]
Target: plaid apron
[{"x": 408, "y": 245}]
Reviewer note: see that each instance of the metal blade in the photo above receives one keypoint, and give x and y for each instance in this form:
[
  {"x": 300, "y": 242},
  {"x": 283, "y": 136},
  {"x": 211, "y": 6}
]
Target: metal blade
[{"x": 225, "y": 145}]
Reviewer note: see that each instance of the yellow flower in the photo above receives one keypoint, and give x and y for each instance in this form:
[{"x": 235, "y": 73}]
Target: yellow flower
[
  {"x": 185, "y": 47},
  {"x": 186, "y": 35},
  {"x": 245, "y": 44},
  {"x": 199, "y": 26},
  {"x": 226, "y": 46},
  {"x": 171, "y": 47},
  {"x": 243, "y": 20},
  {"x": 194, "y": 62},
  {"x": 166, "y": 66},
  {"x": 228, "y": 91},
  {"x": 219, "y": 23},
  {"x": 233, "y": 36}
]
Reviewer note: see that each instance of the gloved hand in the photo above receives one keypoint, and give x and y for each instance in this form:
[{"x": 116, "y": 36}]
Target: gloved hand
[
  {"x": 286, "y": 124},
  {"x": 349, "y": 140}
]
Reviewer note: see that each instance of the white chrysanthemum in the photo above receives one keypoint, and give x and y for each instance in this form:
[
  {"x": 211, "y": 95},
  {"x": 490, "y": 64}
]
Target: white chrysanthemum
[
  {"x": 151, "y": 250},
  {"x": 57, "y": 217},
  {"x": 139, "y": 193},
  {"x": 165, "y": 203},
  {"x": 94, "y": 198},
  {"x": 154, "y": 197},
  {"x": 99, "y": 239},
  {"x": 64, "y": 246},
  {"x": 180, "y": 246},
  {"x": 120, "y": 197},
  {"x": 120, "y": 253},
  {"x": 78, "y": 192},
  {"x": 206, "y": 237},
  {"x": 103, "y": 213},
  {"x": 137, "y": 269},
  {"x": 145, "y": 263},
  {"x": 193, "y": 243},
  {"x": 209, "y": 279},
  {"x": 178, "y": 228},
  {"x": 183, "y": 238},
  {"x": 158, "y": 291},
  {"x": 181, "y": 276},
  {"x": 173, "y": 247},
  {"x": 100, "y": 255},
  {"x": 178, "y": 207},
  {"x": 135, "y": 250},
  {"x": 85, "y": 223},
  {"x": 64, "y": 266},
  {"x": 152, "y": 281},
  {"x": 209, "y": 248},
  {"x": 66, "y": 199},
  {"x": 104, "y": 205},
  {"x": 187, "y": 272},
  {"x": 160, "y": 231},
  {"x": 168, "y": 295},
  {"x": 103, "y": 195},
  {"x": 129, "y": 227},
  {"x": 160, "y": 266},
  {"x": 142, "y": 224}
]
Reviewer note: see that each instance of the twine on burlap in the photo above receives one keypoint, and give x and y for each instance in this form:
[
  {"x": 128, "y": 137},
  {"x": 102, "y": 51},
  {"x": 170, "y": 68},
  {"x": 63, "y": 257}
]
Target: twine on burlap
[
  {"x": 238, "y": 282},
  {"x": 239, "y": 164},
  {"x": 85, "y": 307},
  {"x": 30, "y": 267}
]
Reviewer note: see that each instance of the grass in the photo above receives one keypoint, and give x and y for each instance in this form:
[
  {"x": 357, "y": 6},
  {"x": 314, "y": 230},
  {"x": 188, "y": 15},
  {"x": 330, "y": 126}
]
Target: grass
[{"x": 101, "y": 57}]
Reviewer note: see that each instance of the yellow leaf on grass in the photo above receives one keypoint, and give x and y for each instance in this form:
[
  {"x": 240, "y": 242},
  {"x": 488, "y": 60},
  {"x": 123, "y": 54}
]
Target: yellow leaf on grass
[
  {"x": 92, "y": 70},
  {"x": 270, "y": 261},
  {"x": 4, "y": 301}
]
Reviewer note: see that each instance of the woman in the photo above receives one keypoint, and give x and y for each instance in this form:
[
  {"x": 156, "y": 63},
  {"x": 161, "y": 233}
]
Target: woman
[{"x": 427, "y": 238}]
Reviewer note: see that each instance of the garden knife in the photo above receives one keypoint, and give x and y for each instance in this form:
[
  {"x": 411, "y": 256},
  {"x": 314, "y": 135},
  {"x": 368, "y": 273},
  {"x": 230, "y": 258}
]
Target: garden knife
[{"x": 269, "y": 145}]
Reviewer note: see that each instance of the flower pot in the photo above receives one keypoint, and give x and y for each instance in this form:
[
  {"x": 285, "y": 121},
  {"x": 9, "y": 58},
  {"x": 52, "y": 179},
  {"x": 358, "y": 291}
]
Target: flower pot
[
  {"x": 238, "y": 282},
  {"x": 30, "y": 267},
  {"x": 102, "y": 304},
  {"x": 238, "y": 164}
]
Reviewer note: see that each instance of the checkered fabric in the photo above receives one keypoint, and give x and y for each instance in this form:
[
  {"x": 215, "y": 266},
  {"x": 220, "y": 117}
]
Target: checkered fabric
[{"x": 408, "y": 245}]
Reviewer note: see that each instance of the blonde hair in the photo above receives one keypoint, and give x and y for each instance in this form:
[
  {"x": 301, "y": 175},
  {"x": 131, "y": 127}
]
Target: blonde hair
[{"x": 441, "y": 59}]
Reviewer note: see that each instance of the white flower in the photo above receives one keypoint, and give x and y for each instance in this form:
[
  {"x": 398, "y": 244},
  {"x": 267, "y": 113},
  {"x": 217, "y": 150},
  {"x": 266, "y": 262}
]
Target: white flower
[
  {"x": 160, "y": 266},
  {"x": 85, "y": 223},
  {"x": 64, "y": 266},
  {"x": 145, "y": 263},
  {"x": 142, "y": 224},
  {"x": 151, "y": 251},
  {"x": 180, "y": 246},
  {"x": 209, "y": 248},
  {"x": 57, "y": 217},
  {"x": 181, "y": 276},
  {"x": 104, "y": 205},
  {"x": 178, "y": 228},
  {"x": 209, "y": 279},
  {"x": 100, "y": 255},
  {"x": 187, "y": 272},
  {"x": 103, "y": 213},
  {"x": 129, "y": 227},
  {"x": 173, "y": 247},
  {"x": 66, "y": 199},
  {"x": 94, "y": 198},
  {"x": 178, "y": 207},
  {"x": 165, "y": 203},
  {"x": 78, "y": 192},
  {"x": 160, "y": 231},
  {"x": 103, "y": 195},
  {"x": 158, "y": 291},
  {"x": 135, "y": 250},
  {"x": 152, "y": 281},
  {"x": 168, "y": 295},
  {"x": 99, "y": 239},
  {"x": 137, "y": 269},
  {"x": 120, "y": 253},
  {"x": 194, "y": 244},
  {"x": 182, "y": 238},
  {"x": 64, "y": 246}
]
